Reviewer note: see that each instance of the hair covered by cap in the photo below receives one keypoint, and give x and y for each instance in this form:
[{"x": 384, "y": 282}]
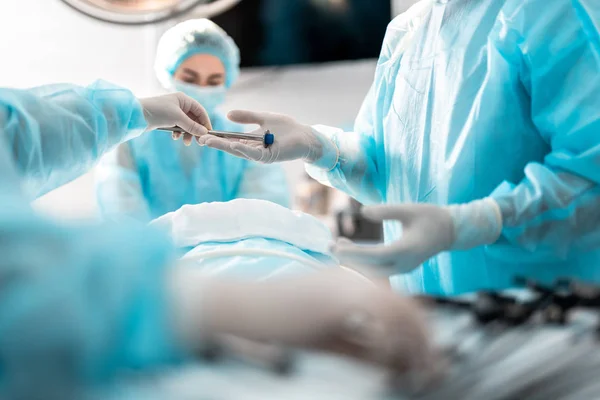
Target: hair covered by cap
[{"x": 195, "y": 36}]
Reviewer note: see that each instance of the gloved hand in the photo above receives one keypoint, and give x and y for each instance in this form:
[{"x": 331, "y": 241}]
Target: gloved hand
[
  {"x": 328, "y": 311},
  {"x": 426, "y": 231},
  {"x": 176, "y": 109},
  {"x": 293, "y": 141}
]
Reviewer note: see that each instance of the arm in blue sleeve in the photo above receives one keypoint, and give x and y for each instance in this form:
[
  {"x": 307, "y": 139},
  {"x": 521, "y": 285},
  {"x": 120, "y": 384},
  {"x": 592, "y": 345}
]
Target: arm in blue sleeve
[
  {"x": 265, "y": 182},
  {"x": 357, "y": 171},
  {"x": 57, "y": 132},
  {"x": 118, "y": 187},
  {"x": 361, "y": 168},
  {"x": 555, "y": 45}
]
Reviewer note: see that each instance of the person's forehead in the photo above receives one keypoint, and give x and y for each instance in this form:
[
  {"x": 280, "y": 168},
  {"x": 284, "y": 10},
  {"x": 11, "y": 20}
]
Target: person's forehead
[{"x": 203, "y": 62}]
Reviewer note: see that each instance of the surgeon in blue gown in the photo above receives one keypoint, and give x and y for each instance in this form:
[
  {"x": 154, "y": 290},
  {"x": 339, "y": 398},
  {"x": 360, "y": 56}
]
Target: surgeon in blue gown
[
  {"x": 76, "y": 299},
  {"x": 82, "y": 303},
  {"x": 153, "y": 175},
  {"x": 478, "y": 143}
]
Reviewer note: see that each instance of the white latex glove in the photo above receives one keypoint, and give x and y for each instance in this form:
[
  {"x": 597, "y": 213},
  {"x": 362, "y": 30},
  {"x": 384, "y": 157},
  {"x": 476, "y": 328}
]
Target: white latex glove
[
  {"x": 328, "y": 311},
  {"x": 176, "y": 109},
  {"x": 293, "y": 141},
  {"x": 426, "y": 231}
]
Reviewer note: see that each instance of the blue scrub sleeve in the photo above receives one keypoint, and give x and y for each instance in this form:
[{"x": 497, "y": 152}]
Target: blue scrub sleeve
[
  {"x": 119, "y": 188},
  {"x": 57, "y": 132},
  {"x": 361, "y": 171},
  {"x": 357, "y": 172},
  {"x": 555, "y": 46},
  {"x": 78, "y": 303}
]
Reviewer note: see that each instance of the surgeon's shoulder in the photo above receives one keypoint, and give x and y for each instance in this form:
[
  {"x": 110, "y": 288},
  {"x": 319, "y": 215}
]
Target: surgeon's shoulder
[
  {"x": 411, "y": 19},
  {"x": 400, "y": 30},
  {"x": 540, "y": 28},
  {"x": 536, "y": 18}
]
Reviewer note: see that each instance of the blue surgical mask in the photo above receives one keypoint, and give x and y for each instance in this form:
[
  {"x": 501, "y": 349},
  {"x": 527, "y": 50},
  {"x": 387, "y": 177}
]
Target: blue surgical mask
[{"x": 209, "y": 96}]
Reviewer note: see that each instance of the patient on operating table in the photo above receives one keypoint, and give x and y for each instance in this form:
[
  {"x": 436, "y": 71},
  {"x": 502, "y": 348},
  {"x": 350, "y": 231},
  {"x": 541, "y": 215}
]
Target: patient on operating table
[{"x": 256, "y": 240}]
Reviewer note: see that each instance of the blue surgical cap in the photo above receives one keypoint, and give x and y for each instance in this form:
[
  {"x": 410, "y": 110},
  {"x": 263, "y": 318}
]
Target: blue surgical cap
[{"x": 195, "y": 36}]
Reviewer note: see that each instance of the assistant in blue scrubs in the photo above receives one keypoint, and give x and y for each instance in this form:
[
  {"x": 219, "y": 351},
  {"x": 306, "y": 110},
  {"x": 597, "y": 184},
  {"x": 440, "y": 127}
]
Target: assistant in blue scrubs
[{"x": 153, "y": 175}]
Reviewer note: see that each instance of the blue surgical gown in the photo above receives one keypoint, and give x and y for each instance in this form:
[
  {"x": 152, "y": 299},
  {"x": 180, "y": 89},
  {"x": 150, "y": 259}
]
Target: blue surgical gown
[
  {"x": 486, "y": 98},
  {"x": 154, "y": 175},
  {"x": 77, "y": 303}
]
